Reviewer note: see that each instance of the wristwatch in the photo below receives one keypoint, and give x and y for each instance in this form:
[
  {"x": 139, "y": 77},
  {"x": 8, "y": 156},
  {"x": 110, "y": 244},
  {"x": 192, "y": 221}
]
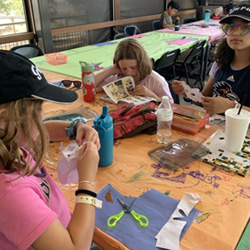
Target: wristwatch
[{"x": 71, "y": 129}]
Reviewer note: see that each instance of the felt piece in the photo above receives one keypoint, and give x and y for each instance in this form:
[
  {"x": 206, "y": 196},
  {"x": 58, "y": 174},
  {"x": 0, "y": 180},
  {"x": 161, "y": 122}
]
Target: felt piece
[{"x": 156, "y": 206}]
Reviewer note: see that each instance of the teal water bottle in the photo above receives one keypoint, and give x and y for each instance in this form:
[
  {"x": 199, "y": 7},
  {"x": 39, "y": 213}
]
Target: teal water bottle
[
  {"x": 103, "y": 124},
  {"x": 207, "y": 16}
]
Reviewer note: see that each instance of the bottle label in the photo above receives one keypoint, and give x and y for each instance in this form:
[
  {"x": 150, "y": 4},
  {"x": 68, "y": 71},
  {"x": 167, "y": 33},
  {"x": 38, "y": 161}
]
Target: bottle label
[{"x": 164, "y": 114}]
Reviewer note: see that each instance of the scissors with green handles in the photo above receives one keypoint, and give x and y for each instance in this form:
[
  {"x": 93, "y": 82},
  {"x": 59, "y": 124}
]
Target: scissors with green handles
[{"x": 112, "y": 220}]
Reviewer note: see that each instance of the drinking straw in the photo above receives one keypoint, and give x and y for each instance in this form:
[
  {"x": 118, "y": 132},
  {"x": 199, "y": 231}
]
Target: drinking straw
[{"x": 242, "y": 103}]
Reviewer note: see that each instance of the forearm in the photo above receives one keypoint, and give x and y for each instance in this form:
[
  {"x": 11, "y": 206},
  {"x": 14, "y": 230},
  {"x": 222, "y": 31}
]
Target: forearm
[
  {"x": 81, "y": 225},
  {"x": 56, "y": 130},
  {"x": 169, "y": 26},
  {"x": 100, "y": 77}
]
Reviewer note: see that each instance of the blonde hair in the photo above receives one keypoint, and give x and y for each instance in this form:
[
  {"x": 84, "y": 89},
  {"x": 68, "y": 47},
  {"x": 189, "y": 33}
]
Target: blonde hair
[
  {"x": 21, "y": 114},
  {"x": 131, "y": 49}
]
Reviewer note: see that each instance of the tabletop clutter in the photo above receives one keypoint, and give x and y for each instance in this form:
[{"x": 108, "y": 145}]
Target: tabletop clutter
[{"x": 163, "y": 219}]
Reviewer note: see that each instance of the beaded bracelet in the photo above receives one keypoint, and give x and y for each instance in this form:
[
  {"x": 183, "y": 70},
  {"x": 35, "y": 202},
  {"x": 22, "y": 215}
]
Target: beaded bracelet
[
  {"x": 236, "y": 104},
  {"x": 90, "y": 182},
  {"x": 85, "y": 191}
]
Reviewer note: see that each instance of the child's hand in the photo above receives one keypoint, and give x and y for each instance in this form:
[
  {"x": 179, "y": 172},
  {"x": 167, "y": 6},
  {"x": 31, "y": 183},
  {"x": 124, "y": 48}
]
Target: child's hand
[
  {"x": 178, "y": 88},
  {"x": 141, "y": 90},
  {"x": 85, "y": 133},
  {"x": 216, "y": 105},
  {"x": 116, "y": 69},
  {"x": 87, "y": 161}
]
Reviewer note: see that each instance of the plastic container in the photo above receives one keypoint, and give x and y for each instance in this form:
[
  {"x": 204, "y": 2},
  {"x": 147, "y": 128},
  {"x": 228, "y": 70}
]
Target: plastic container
[
  {"x": 88, "y": 82},
  {"x": 177, "y": 24},
  {"x": 103, "y": 124},
  {"x": 56, "y": 58},
  {"x": 188, "y": 120},
  {"x": 164, "y": 120}
]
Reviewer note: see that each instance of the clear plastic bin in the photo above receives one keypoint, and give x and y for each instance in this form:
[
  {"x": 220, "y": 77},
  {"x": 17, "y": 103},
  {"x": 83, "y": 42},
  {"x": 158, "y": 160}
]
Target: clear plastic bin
[{"x": 188, "y": 120}]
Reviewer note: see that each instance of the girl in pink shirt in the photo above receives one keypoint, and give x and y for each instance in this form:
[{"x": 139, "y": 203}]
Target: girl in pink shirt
[{"x": 34, "y": 212}]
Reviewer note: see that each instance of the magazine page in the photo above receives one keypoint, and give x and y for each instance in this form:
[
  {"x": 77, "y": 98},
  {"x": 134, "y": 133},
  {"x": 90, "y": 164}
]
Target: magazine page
[
  {"x": 118, "y": 89},
  {"x": 137, "y": 99}
]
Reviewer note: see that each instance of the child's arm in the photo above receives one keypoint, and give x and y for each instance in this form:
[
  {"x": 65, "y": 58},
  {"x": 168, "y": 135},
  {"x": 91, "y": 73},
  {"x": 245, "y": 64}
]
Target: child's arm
[
  {"x": 100, "y": 77},
  {"x": 56, "y": 132}
]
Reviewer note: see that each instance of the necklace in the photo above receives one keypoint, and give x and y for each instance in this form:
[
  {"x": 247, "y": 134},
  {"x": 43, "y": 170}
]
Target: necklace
[{"x": 42, "y": 174}]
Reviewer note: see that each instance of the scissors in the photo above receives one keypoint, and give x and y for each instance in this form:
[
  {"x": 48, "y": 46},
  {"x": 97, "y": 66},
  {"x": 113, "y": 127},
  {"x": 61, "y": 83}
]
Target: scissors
[{"x": 112, "y": 220}]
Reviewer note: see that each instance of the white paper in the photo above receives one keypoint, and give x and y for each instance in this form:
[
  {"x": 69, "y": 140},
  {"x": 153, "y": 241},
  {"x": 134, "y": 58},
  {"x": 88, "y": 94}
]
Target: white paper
[
  {"x": 192, "y": 93},
  {"x": 169, "y": 235}
]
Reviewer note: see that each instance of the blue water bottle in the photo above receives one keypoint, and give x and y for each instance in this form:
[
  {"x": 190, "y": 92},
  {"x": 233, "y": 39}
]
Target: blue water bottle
[
  {"x": 103, "y": 124},
  {"x": 207, "y": 16}
]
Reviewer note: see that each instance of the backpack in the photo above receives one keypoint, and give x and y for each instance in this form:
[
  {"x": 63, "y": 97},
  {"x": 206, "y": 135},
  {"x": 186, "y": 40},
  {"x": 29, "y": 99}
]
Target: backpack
[{"x": 130, "y": 119}]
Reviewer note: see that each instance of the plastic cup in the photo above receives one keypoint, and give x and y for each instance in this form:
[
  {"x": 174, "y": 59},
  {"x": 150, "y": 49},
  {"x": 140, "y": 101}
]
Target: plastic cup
[{"x": 236, "y": 128}]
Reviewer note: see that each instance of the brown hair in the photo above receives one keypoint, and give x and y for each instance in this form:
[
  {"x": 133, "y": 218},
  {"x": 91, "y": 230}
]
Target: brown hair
[
  {"x": 224, "y": 54},
  {"x": 21, "y": 114},
  {"x": 131, "y": 49}
]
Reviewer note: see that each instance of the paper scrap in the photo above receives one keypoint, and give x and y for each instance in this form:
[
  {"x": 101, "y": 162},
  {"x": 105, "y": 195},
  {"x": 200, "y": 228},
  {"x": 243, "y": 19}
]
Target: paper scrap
[
  {"x": 169, "y": 235},
  {"x": 192, "y": 93}
]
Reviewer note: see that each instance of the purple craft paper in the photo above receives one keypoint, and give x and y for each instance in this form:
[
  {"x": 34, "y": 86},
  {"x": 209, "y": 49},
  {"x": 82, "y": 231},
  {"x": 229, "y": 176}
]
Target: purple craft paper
[
  {"x": 103, "y": 44},
  {"x": 156, "y": 206}
]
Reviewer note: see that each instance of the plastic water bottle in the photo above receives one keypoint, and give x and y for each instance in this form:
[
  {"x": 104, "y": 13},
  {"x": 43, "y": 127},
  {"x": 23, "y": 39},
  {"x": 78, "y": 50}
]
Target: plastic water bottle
[
  {"x": 164, "y": 120},
  {"x": 103, "y": 124},
  {"x": 88, "y": 82},
  {"x": 207, "y": 17},
  {"x": 177, "y": 24}
]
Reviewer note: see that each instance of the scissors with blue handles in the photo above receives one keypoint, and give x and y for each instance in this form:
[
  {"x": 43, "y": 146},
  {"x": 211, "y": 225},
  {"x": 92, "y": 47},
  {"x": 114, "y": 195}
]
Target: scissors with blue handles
[{"x": 112, "y": 220}]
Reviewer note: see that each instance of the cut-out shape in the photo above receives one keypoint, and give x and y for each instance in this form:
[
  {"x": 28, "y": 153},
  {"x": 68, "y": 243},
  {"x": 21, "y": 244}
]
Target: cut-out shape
[
  {"x": 192, "y": 93},
  {"x": 108, "y": 197}
]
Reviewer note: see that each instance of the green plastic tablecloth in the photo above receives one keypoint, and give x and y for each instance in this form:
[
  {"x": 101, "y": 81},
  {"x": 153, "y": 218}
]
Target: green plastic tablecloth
[
  {"x": 244, "y": 243},
  {"x": 155, "y": 43}
]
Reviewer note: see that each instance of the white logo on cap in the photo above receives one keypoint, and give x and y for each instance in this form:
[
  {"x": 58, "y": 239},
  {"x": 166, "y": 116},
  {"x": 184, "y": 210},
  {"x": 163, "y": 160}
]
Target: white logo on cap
[
  {"x": 240, "y": 8},
  {"x": 36, "y": 72}
]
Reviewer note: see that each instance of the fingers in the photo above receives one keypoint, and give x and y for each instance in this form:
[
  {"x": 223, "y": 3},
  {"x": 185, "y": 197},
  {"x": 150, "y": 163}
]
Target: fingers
[
  {"x": 87, "y": 133},
  {"x": 177, "y": 87}
]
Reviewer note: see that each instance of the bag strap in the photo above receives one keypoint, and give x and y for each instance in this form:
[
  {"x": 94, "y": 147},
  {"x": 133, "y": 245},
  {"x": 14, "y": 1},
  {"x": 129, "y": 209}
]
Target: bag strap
[{"x": 127, "y": 109}]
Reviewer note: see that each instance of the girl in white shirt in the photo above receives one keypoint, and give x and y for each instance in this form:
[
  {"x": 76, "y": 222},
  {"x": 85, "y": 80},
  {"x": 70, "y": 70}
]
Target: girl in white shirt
[{"x": 131, "y": 59}]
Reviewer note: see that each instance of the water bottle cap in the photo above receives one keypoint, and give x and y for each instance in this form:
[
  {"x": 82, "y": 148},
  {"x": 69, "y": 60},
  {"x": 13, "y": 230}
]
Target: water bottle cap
[
  {"x": 104, "y": 120},
  {"x": 165, "y": 98},
  {"x": 177, "y": 18},
  {"x": 86, "y": 67}
]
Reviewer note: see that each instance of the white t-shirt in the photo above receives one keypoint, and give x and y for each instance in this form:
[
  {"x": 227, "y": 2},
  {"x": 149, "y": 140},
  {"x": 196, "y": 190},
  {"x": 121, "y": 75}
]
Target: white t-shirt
[{"x": 155, "y": 82}]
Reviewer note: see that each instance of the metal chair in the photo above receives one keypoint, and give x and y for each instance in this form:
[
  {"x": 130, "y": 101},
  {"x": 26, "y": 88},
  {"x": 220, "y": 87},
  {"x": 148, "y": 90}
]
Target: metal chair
[
  {"x": 131, "y": 30},
  {"x": 156, "y": 25},
  {"x": 28, "y": 50},
  {"x": 119, "y": 35},
  {"x": 165, "y": 66},
  {"x": 192, "y": 65}
]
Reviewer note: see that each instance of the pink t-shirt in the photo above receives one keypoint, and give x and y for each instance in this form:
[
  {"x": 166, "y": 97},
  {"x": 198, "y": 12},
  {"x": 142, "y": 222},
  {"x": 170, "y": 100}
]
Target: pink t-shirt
[
  {"x": 155, "y": 82},
  {"x": 28, "y": 206}
]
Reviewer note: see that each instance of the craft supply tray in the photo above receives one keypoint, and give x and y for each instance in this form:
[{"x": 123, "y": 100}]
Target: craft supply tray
[{"x": 188, "y": 120}]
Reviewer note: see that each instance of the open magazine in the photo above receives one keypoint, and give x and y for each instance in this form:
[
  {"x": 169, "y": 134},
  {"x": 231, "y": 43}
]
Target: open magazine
[{"x": 118, "y": 91}]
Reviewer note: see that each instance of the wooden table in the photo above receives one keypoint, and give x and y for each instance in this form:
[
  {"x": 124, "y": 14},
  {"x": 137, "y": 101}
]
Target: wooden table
[{"x": 226, "y": 196}]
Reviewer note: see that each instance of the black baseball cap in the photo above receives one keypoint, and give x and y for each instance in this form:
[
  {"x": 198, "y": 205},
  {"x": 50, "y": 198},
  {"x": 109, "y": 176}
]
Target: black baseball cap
[
  {"x": 242, "y": 11},
  {"x": 20, "y": 78}
]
